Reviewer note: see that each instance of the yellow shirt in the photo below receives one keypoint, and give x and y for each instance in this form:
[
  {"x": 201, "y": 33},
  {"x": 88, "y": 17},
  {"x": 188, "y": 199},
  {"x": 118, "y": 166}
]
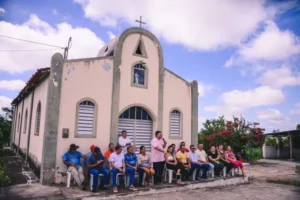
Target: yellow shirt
[{"x": 183, "y": 157}]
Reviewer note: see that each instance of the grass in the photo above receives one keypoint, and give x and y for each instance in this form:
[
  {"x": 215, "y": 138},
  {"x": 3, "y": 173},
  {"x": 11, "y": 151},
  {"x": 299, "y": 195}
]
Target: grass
[
  {"x": 4, "y": 179},
  {"x": 285, "y": 182}
]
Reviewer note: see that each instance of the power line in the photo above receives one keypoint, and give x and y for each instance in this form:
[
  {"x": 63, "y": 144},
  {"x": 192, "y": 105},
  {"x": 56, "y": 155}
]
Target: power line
[
  {"x": 31, "y": 41},
  {"x": 14, "y": 50}
]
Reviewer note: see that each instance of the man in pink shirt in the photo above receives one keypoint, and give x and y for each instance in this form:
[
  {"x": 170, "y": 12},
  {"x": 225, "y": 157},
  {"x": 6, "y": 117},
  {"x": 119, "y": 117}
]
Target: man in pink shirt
[{"x": 157, "y": 156}]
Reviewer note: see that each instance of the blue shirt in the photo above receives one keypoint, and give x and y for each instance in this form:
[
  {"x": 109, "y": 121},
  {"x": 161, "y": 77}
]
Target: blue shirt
[
  {"x": 94, "y": 159},
  {"x": 130, "y": 159},
  {"x": 72, "y": 158},
  {"x": 86, "y": 161}
]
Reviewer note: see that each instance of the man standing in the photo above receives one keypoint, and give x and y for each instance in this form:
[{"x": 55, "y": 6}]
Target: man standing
[
  {"x": 197, "y": 165},
  {"x": 125, "y": 142},
  {"x": 157, "y": 156},
  {"x": 96, "y": 166},
  {"x": 72, "y": 160},
  {"x": 202, "y": 156}
]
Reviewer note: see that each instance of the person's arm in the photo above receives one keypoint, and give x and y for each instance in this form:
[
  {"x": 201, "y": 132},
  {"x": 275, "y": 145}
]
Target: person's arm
[
  {"x": 69, "y": 164},
  {"x": 226, "y": 156},
  {"x": 165, "y": 143},
  {"x": 124, "y": 166},
  {"x": 92, "y": 165},
  {"x": 156, "y": 147},
  {"x": 167, "y": 161}
]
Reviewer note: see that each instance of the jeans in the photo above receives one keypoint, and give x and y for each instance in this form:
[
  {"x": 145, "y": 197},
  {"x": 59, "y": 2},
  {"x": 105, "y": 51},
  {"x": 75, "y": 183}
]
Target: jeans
[
  {"x": 114, "y": 176},
  {"x": 218, "y": 167},
  {"x": 96, "y": 173},
  {"x": 159, "y": 169},
  {"x": 131, "y": 173},
  {"x": 198, "y": 167}
]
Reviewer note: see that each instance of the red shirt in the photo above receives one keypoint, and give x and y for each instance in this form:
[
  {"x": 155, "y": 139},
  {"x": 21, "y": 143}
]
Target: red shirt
[{"x": 186, "y": 150}]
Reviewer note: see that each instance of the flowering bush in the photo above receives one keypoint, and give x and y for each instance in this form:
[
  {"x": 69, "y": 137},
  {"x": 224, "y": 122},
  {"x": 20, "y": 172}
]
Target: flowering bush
[{"x": 236, "y": 133}]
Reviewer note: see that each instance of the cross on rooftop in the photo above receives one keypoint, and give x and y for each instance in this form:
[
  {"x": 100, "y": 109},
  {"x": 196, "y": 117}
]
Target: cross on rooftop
[{"x": 140, "y": 21}]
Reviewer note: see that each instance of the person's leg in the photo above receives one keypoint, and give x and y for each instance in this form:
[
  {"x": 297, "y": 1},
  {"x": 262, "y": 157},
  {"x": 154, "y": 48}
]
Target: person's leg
[
  {"x": 152, "y": 173},
  {"x": 74, "y": 173},
  {"x": 105, "y": 173},
  {"x": 221, "y": 164},
  {"x": 141, "y": 174},
  {"x": 205, "y": 168},
  {"x": 80, "y": 174},
  {"x": 156, "y": 166},
  {"x": 161, "y": 170},
  {"x": 148, "y": 173},
  {"x": 95, "y": 174},
  {"x": 131, "y": 172},
  {"x": 217, "y": 168},
  {"x": 114, "y": 172},
  {"x": 193, "y": 167},
  {"x": 241, "y": 167}
]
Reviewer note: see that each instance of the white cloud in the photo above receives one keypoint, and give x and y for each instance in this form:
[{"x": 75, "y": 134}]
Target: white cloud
[
  {"x": 12, "y": 84},
  {"x": 199, "y": 24},
  {"x": 2, "y": 11},
  {"x": 279, "y": 78},
  {"x": 271, "y": 115},
  {"x": 4, "y": 102},
  {"x": 237, "y": 101},
  {"x": 111, "y": 35},
  {"x": 203, "y": 89},
  {"x": 85, "y": 43},
  {"x": 271, "y": 44}
]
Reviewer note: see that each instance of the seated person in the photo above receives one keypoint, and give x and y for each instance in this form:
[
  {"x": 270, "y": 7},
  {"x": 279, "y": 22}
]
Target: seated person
[
  {"x": 171, "y": 163},
  {"x": 183, "y": 157},
  {"x": 182, "y": 143},
  {"x": 88, "y": 155},
  {"x": 223, "y": 160},
  {"x": 197, "y": 165},
  {"x": 130, "y": 160},
  {"x": 202, "y": 156},
  {"x": 72, "y": 159},
  {"x": 109, "y": 151},
  {"x": 96, "y": 167},
  {"x": 174, "y": 149},
  {"x": 214, "y": 158},
  {"x": 144, "y": 165},
  {"x": 230, "y": 156},
  {"x": 117, "y": 163}
]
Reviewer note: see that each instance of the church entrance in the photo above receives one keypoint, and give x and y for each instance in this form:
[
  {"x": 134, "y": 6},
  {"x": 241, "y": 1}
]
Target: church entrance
[{"x": 138, "y": 124}]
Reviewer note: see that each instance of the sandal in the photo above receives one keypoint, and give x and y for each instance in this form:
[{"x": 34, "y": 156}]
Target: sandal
[
  {"x": 115, "y": 190},
  {"x": 132, "y": 188}
]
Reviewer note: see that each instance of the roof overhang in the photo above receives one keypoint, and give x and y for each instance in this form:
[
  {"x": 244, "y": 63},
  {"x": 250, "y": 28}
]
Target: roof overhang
[{"x": 283, "y": 133}]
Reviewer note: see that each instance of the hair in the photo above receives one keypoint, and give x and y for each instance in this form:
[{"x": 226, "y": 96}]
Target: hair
[
  {"x": 117, "y": 147},
  {"x": 169, "y": 148},
  {"x": 181, "y": 145},
  {"x": 124, "y": 131},
  {"x": 173, "y": 144},
  {"x": 128, "y": 147},
  {"x": 141, "y": 148},
  {"x": 191, "y": 146},
  {"x": 110, "y": 144},
  {"x": 157, "y": 132}
]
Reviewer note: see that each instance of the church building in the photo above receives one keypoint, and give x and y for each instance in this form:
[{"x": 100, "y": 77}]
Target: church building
[{"x": 91, "y": 100}]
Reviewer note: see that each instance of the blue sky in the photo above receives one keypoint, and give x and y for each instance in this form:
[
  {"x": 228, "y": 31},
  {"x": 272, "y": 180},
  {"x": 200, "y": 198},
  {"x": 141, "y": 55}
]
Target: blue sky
[{"x": 244, "y": 54}]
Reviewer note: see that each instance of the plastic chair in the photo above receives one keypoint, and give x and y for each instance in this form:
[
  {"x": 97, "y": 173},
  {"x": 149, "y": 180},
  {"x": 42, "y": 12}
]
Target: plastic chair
[
  {"x": 91, "y": 180},
  {"x": 136, "y": 174},
  {"x": 69, "y": 176},
  {"x": 144, "y": 177}
]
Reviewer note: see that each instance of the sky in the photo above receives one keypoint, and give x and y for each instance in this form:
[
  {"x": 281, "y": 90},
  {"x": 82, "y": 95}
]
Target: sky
[{"x": 245, "y": 55}]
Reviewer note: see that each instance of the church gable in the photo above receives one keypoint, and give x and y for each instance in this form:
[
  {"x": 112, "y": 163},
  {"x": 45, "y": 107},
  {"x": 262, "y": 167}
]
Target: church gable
[{"x": 140, "y": 49}]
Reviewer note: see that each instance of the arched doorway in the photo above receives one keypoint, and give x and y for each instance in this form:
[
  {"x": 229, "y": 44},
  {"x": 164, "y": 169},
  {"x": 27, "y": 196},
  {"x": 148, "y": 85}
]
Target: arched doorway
[{"x": 138, "y": 124}]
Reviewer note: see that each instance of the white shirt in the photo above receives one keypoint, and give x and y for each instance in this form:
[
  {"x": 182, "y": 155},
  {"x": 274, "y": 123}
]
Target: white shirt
[
  {"x": 193, "y": 157},
  {"x": 117, "y": 159},
  {"x": 201, "y": 155},
  {"x": 122, "y": 142}
]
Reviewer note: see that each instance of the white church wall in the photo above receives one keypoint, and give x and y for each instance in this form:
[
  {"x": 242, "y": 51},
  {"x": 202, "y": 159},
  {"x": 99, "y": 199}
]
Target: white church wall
[
  {"x": 85, "y": 79},
  {"x": 24, "y": 133},
  {"x": 177, "y": 95},
  {"x": 131, "y": 95},
  {"x": 36, "y": 139}
]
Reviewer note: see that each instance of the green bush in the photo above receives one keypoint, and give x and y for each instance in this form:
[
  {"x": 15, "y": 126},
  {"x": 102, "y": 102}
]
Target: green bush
[
  {"x": 254, "y": 154},
  {"x": 4, "y": 179}
]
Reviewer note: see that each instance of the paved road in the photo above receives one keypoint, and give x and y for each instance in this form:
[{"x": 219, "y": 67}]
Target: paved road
[{"x": 254, "y": 191}]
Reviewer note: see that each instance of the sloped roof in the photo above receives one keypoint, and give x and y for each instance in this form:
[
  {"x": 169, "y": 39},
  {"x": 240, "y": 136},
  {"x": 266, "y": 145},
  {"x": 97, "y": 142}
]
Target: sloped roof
[
  {"x": 40, "y": 75},
  {"x": 109, "y": 48}
]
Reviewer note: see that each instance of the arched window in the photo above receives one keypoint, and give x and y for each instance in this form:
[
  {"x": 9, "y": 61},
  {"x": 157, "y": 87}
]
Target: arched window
[
  {"x": 175, "y": 124},
  {"x": 38, "y": 119},
  {"x": 139, "y": 75},
  {"x": 25, "y": 121},
  {"x": 86, "y": 119}
]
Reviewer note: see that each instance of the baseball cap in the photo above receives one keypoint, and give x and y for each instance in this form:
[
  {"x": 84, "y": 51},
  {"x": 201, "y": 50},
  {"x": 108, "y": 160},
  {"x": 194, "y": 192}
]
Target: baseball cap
[
  {"x": 97, "y": 150},
  {"x": 92, "y": 147}
]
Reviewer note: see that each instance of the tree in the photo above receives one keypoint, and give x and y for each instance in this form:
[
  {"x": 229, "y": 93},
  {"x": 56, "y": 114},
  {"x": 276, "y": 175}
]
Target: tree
[
  {"x": 5, "y": 126},
  {"x": 236, "y": 133},
  {"x": 298, "y": 127}
]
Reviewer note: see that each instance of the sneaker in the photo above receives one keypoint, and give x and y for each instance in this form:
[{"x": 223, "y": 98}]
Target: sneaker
[
  {"x": 115, "y": 190},
  {"x": 133, "y": 188}
]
